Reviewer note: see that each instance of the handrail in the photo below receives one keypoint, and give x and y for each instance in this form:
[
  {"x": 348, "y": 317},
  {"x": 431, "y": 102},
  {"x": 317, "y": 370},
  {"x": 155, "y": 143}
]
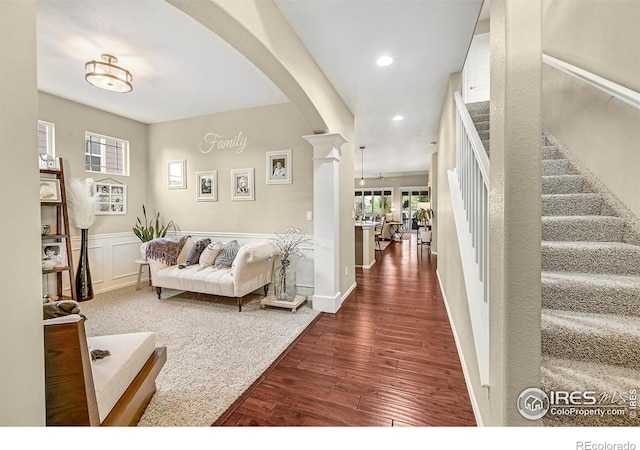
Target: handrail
[
  {"x": 474, "y": 138},
  {"x": 627, "y": 95},
  {"x": 469, "y": 187}
]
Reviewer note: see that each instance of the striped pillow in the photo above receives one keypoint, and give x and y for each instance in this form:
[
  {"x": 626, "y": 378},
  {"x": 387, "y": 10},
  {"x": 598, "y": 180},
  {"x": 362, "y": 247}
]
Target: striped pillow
[{"x": 227, "y": 255}]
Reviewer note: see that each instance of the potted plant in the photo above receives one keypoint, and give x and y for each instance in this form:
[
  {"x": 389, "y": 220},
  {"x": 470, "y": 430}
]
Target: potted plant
[
  {"x": 150, "y": 229},
  {"x": 423, "y": 216}
]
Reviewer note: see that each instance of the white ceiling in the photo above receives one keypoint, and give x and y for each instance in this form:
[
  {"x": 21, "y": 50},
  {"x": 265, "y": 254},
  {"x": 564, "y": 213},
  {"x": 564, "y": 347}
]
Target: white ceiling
[{"x": 181, "y": 69}]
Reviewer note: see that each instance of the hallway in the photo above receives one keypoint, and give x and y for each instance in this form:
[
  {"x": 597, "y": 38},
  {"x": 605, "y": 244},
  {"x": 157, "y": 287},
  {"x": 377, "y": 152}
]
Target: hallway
[{"x": 387, "y": 358}]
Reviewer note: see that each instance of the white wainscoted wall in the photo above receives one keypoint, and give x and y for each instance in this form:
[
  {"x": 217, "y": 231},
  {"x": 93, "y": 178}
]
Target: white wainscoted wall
[{"x": 112, "y": 256}]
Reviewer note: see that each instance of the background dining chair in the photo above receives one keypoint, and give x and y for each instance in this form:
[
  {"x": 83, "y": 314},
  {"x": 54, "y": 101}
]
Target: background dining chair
[
  {"x": 424, "y": 238},
  {"x": 377, "y": 234}
]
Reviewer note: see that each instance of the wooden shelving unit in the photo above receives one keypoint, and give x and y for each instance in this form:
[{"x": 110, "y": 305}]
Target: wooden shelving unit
[{"x": 61, "y": 231}]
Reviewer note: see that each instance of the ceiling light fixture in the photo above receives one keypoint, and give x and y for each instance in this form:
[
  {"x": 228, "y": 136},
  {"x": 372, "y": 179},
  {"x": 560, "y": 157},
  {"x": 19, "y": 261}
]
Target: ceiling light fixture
[
  {"x": 106, "y": 75},
  {"x": 384, "y": 61},
  {"x": 362, "y": 166},
  {"x": 398, "y": 118}
]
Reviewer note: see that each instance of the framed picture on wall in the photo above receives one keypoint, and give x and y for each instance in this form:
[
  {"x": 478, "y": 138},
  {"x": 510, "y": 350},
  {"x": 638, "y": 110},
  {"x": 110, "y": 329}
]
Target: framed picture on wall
[
  {"x": 207, "y": 186},
  {"x": 112, "y": 199},
  {"x": 177, "y": 174},
  {"x": 242, "y": 184},
  {"x": 50, "y": 190},
  {"x": 279, "y": 167}
]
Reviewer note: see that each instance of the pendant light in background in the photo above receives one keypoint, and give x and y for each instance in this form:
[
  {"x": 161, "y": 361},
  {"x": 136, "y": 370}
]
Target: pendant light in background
[{"x": 362, "y": 166}]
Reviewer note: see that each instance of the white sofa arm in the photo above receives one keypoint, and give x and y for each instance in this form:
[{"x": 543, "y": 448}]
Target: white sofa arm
[
  {"x": 252, "y": 267},
  {"x": 155, "y": 265}
]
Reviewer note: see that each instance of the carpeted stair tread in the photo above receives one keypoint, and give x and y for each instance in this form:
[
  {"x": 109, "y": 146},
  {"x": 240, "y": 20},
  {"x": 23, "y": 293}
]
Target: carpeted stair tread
[
  {"x": 482, "y": 125},
  {"x": 555, "y": 167},
  {"x": 549, "y": 152},
  {"x": 586, "y": 292},
  {"x": 604, "y": 338},
  {"x": 591, "y": 257},
  {"x": 568, "y": 375},
  {"x": 563, "y": 184},
  {"x": 481, "y": 116},
  {"x": 582, "y": 228},
  {"x": 580, "y": 204},
  {"x": 484, "y": 135}
]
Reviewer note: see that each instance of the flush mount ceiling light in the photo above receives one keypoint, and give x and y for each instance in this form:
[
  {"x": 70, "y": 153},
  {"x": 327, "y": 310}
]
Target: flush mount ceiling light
[
  {"x": 106, "y": 75},
  {"x": 384, "y": 61},
  {"x": 398, "y": 118},
  {"x": 362, "y": 166}
]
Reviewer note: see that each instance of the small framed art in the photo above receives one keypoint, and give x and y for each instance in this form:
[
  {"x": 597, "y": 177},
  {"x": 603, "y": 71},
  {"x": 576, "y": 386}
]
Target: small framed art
[
  {"x": 242, "y": 187},
  {"x": 207, "y": 186},
  {"x": 279, "y": 167},
  {"x": 112, "y": 199},
  {"x": 50, "y": 190},
  {"x": 53, "y": 255}
]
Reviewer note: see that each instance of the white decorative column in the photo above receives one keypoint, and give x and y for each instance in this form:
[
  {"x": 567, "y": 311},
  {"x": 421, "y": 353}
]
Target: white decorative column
[{"x": 326, "y": 218}]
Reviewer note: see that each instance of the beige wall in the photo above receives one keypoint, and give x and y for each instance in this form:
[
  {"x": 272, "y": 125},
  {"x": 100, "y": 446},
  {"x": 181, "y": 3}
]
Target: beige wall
[
  {"x": 269, "y": 128},
  {"x": 22, "y": 372},
  {"x": 602, "y": 132},
  {"x": 71, "y": 121}
]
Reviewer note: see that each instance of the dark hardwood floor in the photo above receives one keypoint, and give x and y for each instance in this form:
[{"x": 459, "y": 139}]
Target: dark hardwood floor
[{"x": 387, "y": 358}]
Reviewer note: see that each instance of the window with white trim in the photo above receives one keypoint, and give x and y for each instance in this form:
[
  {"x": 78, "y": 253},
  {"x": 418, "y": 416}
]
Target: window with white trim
[
  {"x": 373, "y": 201},
  {"x": 45, "y": 139},
  {"x": 104, "y": 154}
]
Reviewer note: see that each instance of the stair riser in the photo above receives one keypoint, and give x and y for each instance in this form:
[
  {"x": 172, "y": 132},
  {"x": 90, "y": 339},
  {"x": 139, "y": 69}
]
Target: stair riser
[
  {"x": 577, "y": 229},
  {"x": 591, "y": 260},
  {"x": 555, "y": 167},
  {"x": 571, "y": 205},
  {"x": 563, "y": 184},
  {"x": 581, "y": 298}
]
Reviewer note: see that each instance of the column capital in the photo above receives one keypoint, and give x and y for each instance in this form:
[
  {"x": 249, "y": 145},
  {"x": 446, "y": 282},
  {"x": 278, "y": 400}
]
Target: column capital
[{"x": 326, "y": 145}]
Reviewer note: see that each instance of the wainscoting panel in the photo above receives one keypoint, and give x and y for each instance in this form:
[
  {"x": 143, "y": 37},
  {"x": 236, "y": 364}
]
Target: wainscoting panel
[{"x": 112, "y": 256}]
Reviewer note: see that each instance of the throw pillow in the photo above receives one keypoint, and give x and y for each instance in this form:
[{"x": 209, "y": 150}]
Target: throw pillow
[
  {"x": 209, "y": 254},
  {"x": 227, "y": 255},
  {"x": 194, "y": 254}
]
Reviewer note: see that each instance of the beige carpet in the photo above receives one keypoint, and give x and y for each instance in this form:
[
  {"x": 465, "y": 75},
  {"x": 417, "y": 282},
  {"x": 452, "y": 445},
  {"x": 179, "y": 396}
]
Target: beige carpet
[{"x": 214, "y": 353}]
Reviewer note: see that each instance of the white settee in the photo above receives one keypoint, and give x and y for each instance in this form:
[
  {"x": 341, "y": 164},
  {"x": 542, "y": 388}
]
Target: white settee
[
  {"x": 251, "y": 270},
  {"x": 112, "y": 391}
]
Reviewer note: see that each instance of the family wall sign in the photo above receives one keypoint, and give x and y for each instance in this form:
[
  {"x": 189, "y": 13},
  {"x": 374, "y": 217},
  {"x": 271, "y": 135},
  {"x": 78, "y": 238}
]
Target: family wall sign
[{"x": 213, "y": 141}]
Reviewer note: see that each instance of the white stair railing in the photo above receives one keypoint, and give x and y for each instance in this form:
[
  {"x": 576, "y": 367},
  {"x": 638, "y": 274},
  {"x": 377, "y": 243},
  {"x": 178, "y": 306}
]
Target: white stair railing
[
  {"x": 618, "y": 91},
  {"x": 469, "y": 186}
]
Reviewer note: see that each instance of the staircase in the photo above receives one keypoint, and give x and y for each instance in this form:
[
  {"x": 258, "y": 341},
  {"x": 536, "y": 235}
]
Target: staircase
[{"x": 590, "y": 288}]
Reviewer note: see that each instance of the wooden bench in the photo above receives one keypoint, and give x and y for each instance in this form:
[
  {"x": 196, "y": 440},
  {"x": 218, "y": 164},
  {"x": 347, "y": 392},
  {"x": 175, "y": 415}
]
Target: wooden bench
[{"x": 69, "y": 380}]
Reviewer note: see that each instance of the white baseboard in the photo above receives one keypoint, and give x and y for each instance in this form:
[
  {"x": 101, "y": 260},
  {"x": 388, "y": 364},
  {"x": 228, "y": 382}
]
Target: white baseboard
[{"x": 465, "y": 370}]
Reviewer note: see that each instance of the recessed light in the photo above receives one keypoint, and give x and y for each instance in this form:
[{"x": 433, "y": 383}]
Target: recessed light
[
  {"x": 398, "y": 118},
  {"x": 384, "y": 61}
]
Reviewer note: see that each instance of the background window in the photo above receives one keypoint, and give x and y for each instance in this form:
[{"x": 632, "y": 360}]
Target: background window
[
  {"x": 45, "y": 139},
  {"x": 106, "y": 154},
  {"x": 373, "y": 202}
]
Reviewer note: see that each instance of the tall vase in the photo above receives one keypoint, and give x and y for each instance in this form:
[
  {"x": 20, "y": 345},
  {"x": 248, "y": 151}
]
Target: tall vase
[
  {"x": 84, "y": 288},
  {"x": 285, "y": 281}
]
